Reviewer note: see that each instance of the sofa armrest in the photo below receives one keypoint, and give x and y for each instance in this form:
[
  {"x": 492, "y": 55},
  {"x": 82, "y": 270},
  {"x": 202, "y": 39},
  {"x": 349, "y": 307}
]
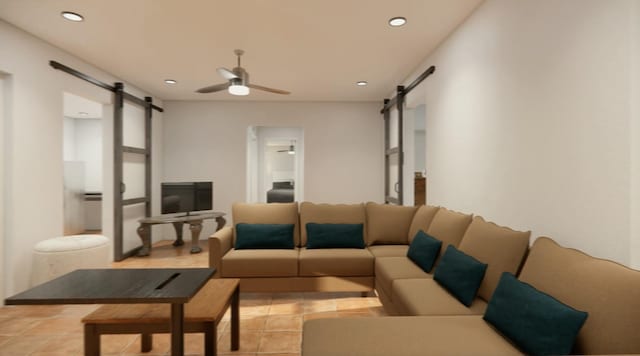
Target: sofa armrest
[{"x": 219, "y": 244}]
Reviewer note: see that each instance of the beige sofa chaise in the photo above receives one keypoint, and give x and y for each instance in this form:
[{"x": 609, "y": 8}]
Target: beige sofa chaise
[{"x": 609, "y": 292}]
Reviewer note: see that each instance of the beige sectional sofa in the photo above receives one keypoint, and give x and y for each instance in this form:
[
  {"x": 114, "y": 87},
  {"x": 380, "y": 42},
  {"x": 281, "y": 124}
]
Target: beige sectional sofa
[{"x": 425, "y": 317}]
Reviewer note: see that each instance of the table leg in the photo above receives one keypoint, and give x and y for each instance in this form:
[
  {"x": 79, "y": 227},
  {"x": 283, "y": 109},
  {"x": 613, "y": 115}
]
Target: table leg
[
  {"x": 178, "y": 227},
  {"x": 91, "y": 340},
  {"x": 235, "y": 320},
  {"x": 195, "y": 226},
  {"x": 144, "y": 231},
  {"x": 221, "y": 221},
  {"x": 177, "y": 329},
  {"x": 210, "y": 339}
]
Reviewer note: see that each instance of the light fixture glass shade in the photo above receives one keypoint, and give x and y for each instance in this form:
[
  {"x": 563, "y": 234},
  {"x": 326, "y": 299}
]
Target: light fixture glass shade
[{"x": 235, "y": 89}]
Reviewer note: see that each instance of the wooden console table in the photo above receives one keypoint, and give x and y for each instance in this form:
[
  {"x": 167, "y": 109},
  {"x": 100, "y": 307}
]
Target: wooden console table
[{"x": 195, "y": 225}]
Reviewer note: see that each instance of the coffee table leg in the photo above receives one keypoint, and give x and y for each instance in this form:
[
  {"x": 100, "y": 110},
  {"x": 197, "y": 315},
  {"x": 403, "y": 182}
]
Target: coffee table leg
[
  {"x": 235, "y": 320},
  {"x": 91, "y": 340},
  {"x": 210, "y": 339},
  {"x": 177, "y": 329}
]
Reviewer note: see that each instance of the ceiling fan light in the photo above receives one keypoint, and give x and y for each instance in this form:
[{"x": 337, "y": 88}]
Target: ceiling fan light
[{"x": 235, "y": 89}]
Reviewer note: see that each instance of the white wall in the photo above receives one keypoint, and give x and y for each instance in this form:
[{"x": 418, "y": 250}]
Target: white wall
[
  {"x": 89, "y": 143},
  {"x": 83, "y": 142},
  {"x": 528, "y": 120},
  {"x": 634, "y": 59},
  {"x": 343, "y": 147},
  {"x": 4, "y": 94},
  {"x": 34, "y": 145}
]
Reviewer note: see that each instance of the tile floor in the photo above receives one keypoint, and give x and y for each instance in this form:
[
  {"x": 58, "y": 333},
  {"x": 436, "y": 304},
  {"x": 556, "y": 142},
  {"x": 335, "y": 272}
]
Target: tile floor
[{"x": 271, "y": 323}]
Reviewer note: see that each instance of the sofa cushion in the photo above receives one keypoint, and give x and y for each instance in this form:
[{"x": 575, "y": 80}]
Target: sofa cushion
[
  {"x": 460, "y": 274},
  {"x": 426, "y": 297},
  {"x": 336, "y": 262},
  {"x": 449, "y": 227},
  {"x": 536, "y": 322},
  {"x": 272, "y": 213},
  {"x": 264, "y": 236},
  {"x": 415, "y": 336},
  {"x": 388, "y": 250},
  {"x": 500, "y": 247},
  {"x": 334, "y": 235},
  {"x": 389, "y": 269},
  {"x": 330, "y": 214},
  {"x": 608, "y": 291},
  {"x": 424, "y": 250},
  {"x": 260, "y": 263},
  {"x": 421, "y": 220},
  {"x": 388, "y": 224}
]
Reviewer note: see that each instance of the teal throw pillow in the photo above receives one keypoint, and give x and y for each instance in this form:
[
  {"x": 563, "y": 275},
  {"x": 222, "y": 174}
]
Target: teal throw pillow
[
  {"x": 334, "y": 236},
  {"x": 264, "y": 236},
  {"x": 424, "y": 250},
  {"x": 535, "y": 321},
  {"x": 460, "y": 274}
]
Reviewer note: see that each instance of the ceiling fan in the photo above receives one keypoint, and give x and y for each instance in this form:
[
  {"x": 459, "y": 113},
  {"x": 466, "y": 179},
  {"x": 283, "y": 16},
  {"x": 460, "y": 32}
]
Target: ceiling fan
[
  {"x": 291, "y": 149},
  {"x": 238, "y": 81}
]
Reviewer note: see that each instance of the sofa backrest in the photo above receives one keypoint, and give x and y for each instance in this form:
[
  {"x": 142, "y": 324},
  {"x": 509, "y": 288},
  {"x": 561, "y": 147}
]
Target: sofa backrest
[
  {"x": 388, "y": 224},
  {"x": 421, "y": 220},
  {"x": 448, "y": 226},
  {"x": 261, "y": 213},
  {"x": 608, "y": 291},
  {"x": 330, "y": 214},
  {"x": 502, "y": 248}
]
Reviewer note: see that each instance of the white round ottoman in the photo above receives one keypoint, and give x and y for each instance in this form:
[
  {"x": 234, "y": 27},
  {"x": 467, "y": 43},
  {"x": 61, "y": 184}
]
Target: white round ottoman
[{"x": 60, "y": 255}]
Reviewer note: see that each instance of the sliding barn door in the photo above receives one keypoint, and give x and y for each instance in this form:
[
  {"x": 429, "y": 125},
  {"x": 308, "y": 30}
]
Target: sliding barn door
[
  {"x": 393, "y": 154},
  {"x": 132, "y": 170}
]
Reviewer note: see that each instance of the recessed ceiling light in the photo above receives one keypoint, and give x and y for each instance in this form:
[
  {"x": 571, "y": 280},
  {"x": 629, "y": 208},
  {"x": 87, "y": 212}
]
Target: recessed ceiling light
[
  {"x": 362, "y": 83},
  {"x": 170, "y": 81},
  {"x": 397, "y": 21},
  {"x": 72, "y": 16}
]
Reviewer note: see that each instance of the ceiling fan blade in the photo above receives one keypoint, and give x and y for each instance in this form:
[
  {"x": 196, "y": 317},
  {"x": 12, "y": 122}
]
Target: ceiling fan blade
[
  {"x": 226, "y": 74},
  {"x": 271, "y": 90},
  {"x": 213, "y": 88}
]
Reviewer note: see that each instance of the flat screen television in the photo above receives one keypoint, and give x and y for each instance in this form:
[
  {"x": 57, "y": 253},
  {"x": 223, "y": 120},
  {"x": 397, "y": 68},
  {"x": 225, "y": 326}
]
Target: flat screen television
[{"x": 185, "y": 197}]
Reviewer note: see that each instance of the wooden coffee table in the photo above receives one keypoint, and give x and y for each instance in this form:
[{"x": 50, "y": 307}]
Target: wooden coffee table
[
  {"x": 201, "y": 314},
  {"x": 174, "y": 286}
]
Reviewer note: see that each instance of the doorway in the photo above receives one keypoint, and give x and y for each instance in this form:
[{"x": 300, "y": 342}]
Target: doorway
[
  {"x": 415, "y": 174},
  {"x": 83, "y": 165},
  {"x": 275, "y": 164}
]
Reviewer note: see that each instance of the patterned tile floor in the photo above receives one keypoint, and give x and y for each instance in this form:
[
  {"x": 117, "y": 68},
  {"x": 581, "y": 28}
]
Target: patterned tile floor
[{"x": 271, "y": 323}]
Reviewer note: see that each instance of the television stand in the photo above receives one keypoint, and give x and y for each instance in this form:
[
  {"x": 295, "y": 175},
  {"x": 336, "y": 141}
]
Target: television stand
[{"x": 195, "y": 225}]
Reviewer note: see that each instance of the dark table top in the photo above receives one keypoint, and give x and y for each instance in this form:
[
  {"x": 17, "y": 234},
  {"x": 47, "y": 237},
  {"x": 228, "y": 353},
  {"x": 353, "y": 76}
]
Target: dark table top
[{"x": 108, "y": 286}]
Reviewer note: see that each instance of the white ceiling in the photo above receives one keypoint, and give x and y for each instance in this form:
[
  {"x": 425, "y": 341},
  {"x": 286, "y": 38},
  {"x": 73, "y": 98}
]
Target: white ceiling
[{"x": 317, "y": 49}]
